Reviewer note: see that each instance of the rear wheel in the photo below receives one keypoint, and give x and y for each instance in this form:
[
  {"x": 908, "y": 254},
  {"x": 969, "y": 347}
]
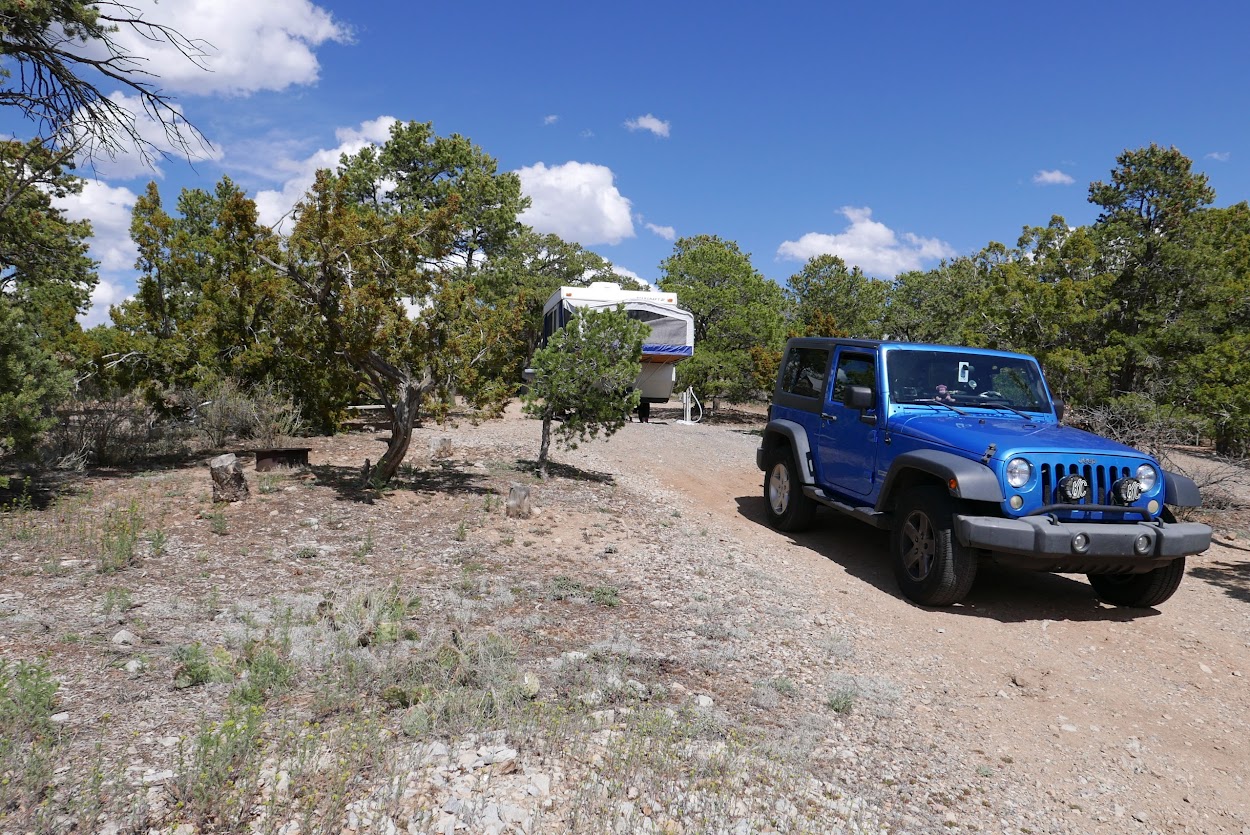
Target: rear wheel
[
  {"x": 1139, "y": 591},
  {"x": 787, "y": 507},
  {"x": 931, "y": 566}
]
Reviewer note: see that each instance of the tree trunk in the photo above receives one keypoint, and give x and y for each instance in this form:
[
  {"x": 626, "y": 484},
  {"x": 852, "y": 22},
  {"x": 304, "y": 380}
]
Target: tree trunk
[
  {"x": 545, "y": 447},
  {"x": 229, "y": 483},
  {"x": 403, "y": 412}
]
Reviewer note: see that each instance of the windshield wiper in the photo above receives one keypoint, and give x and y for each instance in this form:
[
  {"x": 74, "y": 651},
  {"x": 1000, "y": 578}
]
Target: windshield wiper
[
  {"x": 929, "y": 402},
  {"x": 1002, "y": 406}
]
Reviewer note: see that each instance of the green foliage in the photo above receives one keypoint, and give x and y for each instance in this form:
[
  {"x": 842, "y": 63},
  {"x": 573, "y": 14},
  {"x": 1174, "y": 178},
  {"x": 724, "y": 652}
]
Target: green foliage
[
  {"x": 831, "y": 300},
  {"x": 216, "y": 779},
  {"x": 28, "y": 736},
  {"x": 268, "y": 673},
  {"x": 32, "y": 384},
  {"x": 738, "y": 317},
  {"x": 197, "y": 666},
  {"x": 585, "y": 377},
  {"x": 208, "y": 306},
  {"x": 120, "y": 538},
  {"x": 369, "y": 262},
  {"x": 46, "y": 279}
]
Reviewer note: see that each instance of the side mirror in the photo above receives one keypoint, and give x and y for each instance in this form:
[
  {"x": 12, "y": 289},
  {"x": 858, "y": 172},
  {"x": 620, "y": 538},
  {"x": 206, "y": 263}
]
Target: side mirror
[
  {"x": 1060, "y": 408},
  {"x": 858, "y": 397}
]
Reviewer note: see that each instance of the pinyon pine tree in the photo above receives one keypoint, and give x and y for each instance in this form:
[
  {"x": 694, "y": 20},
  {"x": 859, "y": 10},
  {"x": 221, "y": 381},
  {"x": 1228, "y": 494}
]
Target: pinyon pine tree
[{"x": 585, "y": 375}]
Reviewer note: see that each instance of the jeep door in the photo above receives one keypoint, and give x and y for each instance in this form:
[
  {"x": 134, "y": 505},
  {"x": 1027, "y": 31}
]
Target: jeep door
[{"x": 846, "y": 444}]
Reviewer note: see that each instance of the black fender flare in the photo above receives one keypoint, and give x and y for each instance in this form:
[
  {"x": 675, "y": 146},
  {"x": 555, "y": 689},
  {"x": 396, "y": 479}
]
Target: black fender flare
[
  {"x": 796, "y": 437},
  {"x": 1180, "y": 490},
  {"x": 974, "y": 481}
]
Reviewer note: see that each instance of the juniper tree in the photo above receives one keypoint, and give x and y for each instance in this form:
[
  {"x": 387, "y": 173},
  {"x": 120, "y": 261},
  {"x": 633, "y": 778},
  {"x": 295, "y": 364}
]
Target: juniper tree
[{"x": 585, "y": 376}]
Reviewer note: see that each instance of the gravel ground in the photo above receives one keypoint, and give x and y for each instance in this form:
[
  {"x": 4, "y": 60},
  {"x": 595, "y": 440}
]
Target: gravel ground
[{"x": 1030, "y": 708}]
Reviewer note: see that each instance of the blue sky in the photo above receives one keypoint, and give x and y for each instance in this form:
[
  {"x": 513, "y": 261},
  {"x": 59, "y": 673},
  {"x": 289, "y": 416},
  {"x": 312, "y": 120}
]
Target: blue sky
[{"x": 892, "y": 134}]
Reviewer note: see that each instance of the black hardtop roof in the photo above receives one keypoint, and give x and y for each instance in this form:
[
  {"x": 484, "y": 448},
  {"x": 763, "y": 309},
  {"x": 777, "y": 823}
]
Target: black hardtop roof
[{"x": 874, "y": 344}]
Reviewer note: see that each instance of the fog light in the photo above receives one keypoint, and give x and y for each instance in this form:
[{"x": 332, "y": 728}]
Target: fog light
[
  {"x": 1142, "y": 544},
  {"x": 1016, "y": 502},
  {"x": 1073, "y": 488},
  {"x": 1126, "y": 491},
  {"x": 1080, "y": 543}
]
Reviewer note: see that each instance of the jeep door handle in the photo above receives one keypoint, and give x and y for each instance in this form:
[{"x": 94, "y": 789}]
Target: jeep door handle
[{"x": 824, "y": 416}]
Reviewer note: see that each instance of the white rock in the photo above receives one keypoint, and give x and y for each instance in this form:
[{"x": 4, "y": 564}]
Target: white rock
[
  {"x": 704, "y": 701},
  {"x": 127, "y": 639},
  {"x": 59, "y": 718}
]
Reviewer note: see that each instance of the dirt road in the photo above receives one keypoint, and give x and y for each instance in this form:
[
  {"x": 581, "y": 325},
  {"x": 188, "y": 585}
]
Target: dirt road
[{"x": 1117, "y": 720}]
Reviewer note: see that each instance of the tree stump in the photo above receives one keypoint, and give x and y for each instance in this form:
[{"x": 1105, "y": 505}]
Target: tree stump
[
  {"x": 229, "y": 483},
  {"x": 519, "y": 501}
]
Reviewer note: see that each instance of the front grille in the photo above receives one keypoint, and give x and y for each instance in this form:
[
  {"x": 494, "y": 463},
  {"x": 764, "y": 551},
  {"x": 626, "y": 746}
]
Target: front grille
[{"x": 1100, "y": 479}]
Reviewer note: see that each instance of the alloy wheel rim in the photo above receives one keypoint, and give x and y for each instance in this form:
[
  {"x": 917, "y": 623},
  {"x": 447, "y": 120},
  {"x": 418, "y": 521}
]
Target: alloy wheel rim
[
  {"x": 779, "y": 489},
  {"x": 919, "y": 545}
]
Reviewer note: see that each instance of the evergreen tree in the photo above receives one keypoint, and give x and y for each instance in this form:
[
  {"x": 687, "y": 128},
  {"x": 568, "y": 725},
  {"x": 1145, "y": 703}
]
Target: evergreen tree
[{"x": 585, "y": 376}]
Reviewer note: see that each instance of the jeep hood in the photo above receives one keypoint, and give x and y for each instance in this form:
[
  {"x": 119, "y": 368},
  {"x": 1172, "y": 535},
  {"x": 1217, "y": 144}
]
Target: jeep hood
[{"x": 974, "y": 432}]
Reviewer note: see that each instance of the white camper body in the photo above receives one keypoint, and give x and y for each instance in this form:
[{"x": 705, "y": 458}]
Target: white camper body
[{"x": 672, "y": 329}]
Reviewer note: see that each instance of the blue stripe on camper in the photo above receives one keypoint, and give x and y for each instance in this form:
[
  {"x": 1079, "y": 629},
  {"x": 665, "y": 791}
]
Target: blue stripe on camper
[{"x": 666, "y": 353}]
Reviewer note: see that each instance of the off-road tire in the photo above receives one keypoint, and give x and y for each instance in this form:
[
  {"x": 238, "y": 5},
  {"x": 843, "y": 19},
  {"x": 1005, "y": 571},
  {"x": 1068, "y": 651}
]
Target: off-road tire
[
  {"x": 787, "y": 507},
  {"x": 1139, "y": 591},
  {"x": 931, "y": 566}
]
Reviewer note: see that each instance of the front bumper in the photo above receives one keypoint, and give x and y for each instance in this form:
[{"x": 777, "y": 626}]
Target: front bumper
[{"x": 1046, "y": 543}]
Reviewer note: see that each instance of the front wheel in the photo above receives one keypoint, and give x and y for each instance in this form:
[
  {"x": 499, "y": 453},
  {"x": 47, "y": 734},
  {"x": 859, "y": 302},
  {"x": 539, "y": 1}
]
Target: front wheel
[
  {"x": 1139, "y": 591},
  {"x": 788, "y": 508},
  {"x": 931, "y": 566}
]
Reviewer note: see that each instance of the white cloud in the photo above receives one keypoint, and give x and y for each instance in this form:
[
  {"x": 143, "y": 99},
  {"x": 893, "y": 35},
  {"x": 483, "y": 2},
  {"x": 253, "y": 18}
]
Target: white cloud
[
  {"x": 577, "y": 201},
  {"x": 129, "y": 162},
  {"x": 587, "y": 134},
  {"x": 550, "y": 120},
  {"x": 272, "y": 205},
  {"x": 106, "y": 294},
  {"x": 657, "y": 126},
  {"x": 108, "y": 208},
  {"x": 621, "y": 271},
  {"x": 868, "y": 244},
  {"x": 668, "y": 233},
  {"x": 247, "y": 45},
  {"x": 1052, "y": 178},
  {"x": 1219, "y": 156}
]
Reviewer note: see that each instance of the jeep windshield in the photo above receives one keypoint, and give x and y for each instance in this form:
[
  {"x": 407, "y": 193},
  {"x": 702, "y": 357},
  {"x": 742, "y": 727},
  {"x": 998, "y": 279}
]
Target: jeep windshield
[{"x": 965, "y": 379}]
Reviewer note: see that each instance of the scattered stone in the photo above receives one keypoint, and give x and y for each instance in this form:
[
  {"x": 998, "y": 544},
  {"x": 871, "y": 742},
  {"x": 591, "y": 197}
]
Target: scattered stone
[
  {"x": 126, "y": 639},
  {"x": 519, "y": 506}
]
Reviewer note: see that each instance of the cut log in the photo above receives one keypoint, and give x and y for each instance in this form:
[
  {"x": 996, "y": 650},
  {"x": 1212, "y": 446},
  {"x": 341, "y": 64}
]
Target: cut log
[
  {"x": 519, "y": 501},
  {"x": 229, "y": 483}
]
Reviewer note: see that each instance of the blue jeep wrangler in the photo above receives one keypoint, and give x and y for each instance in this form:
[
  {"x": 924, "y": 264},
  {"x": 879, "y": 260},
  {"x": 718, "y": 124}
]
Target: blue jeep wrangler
[{"x": 960, "y": 454}]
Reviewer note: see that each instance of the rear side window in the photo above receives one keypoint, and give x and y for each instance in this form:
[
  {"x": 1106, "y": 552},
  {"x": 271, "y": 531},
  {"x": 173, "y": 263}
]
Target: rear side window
[{"x": 804, "y": 373}]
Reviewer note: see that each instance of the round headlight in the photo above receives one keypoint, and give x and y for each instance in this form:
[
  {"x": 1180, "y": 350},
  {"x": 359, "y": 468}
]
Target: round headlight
[
  {"x": 1018, "y": 472},
  {"x": 1148, "y": 477}
]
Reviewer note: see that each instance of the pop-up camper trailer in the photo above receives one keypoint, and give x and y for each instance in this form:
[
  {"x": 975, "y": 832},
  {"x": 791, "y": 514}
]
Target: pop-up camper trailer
[{"x": 670, "y": 341}]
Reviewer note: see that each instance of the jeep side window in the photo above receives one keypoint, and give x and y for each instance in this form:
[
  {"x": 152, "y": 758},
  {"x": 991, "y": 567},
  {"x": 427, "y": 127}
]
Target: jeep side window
[
  {"x": 805, "y": 372},
  {"x": 853, "y": 370}
]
